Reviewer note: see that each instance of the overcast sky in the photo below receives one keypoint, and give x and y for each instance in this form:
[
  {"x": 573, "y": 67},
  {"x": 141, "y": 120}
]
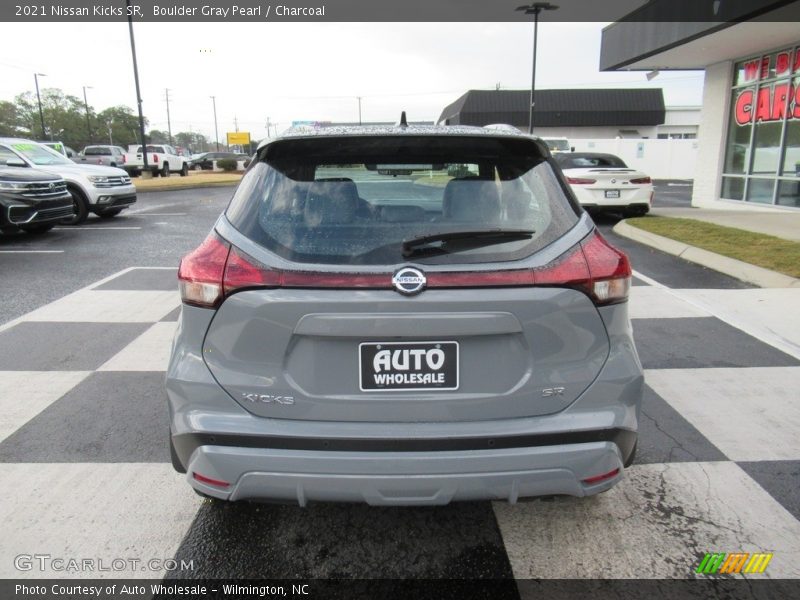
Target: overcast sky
[{"x": 307, "y": 71}]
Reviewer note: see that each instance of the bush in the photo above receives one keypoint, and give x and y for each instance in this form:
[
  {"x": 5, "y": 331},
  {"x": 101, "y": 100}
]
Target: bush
[{"x": 227, "y": 164}]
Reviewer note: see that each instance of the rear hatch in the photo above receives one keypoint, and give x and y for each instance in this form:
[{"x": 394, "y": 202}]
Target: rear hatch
[{"x": 314, "y": 269}]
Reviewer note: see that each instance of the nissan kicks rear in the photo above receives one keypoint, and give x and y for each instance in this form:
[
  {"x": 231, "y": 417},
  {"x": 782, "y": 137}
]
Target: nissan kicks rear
[{"x": 403, "y": 316}]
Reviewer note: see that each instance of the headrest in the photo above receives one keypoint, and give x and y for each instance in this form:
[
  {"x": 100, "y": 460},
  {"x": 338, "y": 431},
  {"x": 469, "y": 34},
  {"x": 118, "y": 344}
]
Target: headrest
[
  {"x": 330, "y": 202},
  {"x": 471, "y": 199},
  {"x": 402, "y": 214}
]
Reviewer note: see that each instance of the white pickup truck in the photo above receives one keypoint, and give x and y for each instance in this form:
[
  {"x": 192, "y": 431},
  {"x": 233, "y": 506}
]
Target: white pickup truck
[{"x": 161, "y": 160}]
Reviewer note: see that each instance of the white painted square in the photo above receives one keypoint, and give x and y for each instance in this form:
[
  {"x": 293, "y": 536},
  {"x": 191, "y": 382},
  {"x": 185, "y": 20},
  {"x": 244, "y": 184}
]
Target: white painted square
[
  {"x": 769, "y": 314},
  {"x": 749, "y": 414},
  {"x": 148, "y": 352},
  {"x": 108, "y": 306},
  {"x": 24, "y": 394},
  {"x": 657, "y": 523},
  {"x": 98, "y": 511},
  {"x": 647, "y": 302}
]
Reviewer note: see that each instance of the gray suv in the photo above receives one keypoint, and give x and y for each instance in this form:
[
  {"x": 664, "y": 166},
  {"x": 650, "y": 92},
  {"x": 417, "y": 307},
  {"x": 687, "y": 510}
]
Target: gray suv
[{"x": 403, "y": 316}]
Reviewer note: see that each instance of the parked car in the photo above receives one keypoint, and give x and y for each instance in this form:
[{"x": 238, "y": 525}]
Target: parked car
[
  {"x": 109, "y": 156},
  {"x": 61, "y": 148},
  {"x": 161, "y": 160},
  {"x": 351, "y": 337},
  {"x": 558, "y": 144},
  {"x": 104, "y": 191},
  {"x": 31, "y": 200},
  {"x": 206, "y": 161},
  {"x": 603, "y": 182}
]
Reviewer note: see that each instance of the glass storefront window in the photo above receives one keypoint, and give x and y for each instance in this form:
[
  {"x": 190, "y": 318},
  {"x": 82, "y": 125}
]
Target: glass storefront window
[
  {"x": 760, "y": 190},
  {"x": 733, "y": 188},
  {"x": 789, "y": 193},
  {"x": 763, "y": 142}
]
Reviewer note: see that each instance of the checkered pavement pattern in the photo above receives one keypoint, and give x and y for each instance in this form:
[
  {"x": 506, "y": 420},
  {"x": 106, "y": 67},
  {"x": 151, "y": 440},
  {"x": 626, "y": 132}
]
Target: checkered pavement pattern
[{"x": 85, "y": 465}]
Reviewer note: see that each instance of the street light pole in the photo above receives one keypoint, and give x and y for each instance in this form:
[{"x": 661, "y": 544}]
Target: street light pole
[
  {"x": 145, "y": 168},
  {"x": 216, "y": 131},
  {"x": 169, "y": 124},
  {"x": 359, "y": 109},
  {"x": 86, "y": 105},
  {"x": 534, "y": 9},
  {"x": 39, "y": 100}
]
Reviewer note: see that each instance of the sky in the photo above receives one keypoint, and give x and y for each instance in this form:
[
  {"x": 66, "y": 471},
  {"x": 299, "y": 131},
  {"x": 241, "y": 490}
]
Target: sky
[{"x": 308, "y": 71}]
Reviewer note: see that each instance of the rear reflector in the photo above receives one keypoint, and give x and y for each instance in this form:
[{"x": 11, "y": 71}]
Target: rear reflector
[
  {"x": 210, "y": 481},
  {"x": 642, "y": 180},
  {"x": 603, "y": 477},
  {"x": 581, "y": 180},
  {"x": 216, "y": 269}
]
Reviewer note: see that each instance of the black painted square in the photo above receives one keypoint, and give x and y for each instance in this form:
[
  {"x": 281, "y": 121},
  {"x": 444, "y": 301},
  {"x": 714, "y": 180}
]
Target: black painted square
[{"x": 108, "y": 417}]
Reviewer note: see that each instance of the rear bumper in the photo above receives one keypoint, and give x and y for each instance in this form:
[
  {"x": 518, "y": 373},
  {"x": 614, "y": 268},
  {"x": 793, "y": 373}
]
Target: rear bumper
[{"x": 404, "y": 478}]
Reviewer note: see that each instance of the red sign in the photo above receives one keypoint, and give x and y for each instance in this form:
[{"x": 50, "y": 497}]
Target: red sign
[
  {"x": 773, "y": 103},
  {"x": 784, "y": 63}
]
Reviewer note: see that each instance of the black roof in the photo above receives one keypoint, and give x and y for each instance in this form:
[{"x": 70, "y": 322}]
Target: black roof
[{"x": 558, "y": 108}]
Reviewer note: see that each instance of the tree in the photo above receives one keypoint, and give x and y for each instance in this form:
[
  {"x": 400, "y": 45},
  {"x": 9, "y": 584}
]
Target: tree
[
  {"x": 11, "y": 122},
  {"x": 64, "y": 116},
  {"x": 117, "y": 125},
  {"x": 196, "y": 142},
  {"x": 157, "y": 136}
]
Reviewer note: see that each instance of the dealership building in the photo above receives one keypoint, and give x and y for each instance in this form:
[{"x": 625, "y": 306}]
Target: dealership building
[{"x": 749, "y": 134}]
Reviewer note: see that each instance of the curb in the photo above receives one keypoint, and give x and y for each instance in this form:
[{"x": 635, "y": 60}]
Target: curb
[{"x": 729, "y": 266}]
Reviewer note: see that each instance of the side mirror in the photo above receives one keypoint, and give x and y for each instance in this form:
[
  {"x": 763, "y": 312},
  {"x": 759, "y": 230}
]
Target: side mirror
[{"x": 16, "y": 162}]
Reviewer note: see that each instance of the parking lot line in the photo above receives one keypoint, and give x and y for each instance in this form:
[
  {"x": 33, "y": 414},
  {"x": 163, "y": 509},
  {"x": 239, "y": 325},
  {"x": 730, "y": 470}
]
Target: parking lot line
[
  {"x": 31, "y": 251},
  {"x": 89, "y": 228},
  {"x": 143, "y": 214}
]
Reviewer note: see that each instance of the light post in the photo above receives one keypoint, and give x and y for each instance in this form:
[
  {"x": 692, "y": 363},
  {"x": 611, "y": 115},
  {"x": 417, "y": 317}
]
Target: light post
[
  {"x": 216, "y": 131},
  {"x": 169, "y": 123},
  {"x": 86, "y": 105},
  {"x": 359, "y": 109},
  {"x": 39, "y": 100},
  {"x": 534, "y": 9},
  {"x": 145, "y": 168}
]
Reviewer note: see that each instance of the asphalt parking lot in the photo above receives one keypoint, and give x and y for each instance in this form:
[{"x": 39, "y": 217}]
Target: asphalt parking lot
[{"x": 87, "y": 318}]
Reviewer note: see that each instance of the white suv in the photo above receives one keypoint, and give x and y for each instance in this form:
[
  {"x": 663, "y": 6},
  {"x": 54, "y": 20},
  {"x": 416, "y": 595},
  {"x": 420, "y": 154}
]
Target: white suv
[{"x": 105, "y": 191}]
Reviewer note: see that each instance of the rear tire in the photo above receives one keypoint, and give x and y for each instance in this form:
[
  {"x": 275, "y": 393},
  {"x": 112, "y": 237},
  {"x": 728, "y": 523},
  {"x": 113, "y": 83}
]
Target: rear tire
[
  {"x": 38, "y": 229},
  {"x": 79, "y": 205},
  {"x": 165, "y": 170},
  {"x": 184, "y": 170},
  {"x": 635, "y": 212}
]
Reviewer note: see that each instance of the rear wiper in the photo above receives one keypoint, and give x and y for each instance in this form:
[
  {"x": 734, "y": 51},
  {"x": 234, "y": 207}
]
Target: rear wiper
[{"x": 473, "y": 238}]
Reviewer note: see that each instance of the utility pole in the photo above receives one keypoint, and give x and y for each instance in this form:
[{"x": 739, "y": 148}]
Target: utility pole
[
  {"x": 39, "y": 100},
  {"x": 216, "y": 131},
  {"x": 269, "y": 134},
  {"x": 145, "y": 169},
  {"x": 86, "y": 104},
  {"x": 359, "y": 109},
  {"x": 235, "y": 124},
  {"x": 169, "y": 124}
]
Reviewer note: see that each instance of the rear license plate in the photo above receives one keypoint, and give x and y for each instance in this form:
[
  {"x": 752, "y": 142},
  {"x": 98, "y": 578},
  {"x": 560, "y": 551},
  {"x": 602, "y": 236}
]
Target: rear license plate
[
  {"x": 612, "y": 193},
  {"x": 408, "y": 366}
]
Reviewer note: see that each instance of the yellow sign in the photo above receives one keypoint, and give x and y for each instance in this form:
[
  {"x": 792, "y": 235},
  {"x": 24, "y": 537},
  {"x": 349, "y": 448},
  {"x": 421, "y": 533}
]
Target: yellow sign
[{"x": 238, "y": 138}]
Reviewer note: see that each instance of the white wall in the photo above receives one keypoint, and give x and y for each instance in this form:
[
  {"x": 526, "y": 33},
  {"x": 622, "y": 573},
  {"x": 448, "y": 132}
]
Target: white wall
[
  {"x": 711, "y": 137},
  {"x": 660, "y": 159},
  {"x": 594, "y": 132}
]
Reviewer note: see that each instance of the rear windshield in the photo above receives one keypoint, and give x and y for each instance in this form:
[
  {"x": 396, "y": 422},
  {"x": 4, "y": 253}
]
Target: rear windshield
[
  {"x": 588, "y": 161},
  {"x": 356, "y": 200},
  {"x": 97, "y": 151}
]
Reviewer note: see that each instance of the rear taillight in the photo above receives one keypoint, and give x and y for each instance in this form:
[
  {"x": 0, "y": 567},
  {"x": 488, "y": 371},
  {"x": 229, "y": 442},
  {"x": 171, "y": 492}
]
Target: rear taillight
[
  {"x": 642, "y": 180},
  {"x": 200, "y": 273},
  {"x": 215, "y": 270},
  {"x": 155, "y": 158},
  {"x": 609, "y": 270},
  {"x": 580, "y": 181}
]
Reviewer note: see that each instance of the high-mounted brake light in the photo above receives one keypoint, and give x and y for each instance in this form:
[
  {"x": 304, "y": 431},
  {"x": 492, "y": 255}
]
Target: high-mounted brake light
[
  {"x": 581, "y": 180},
  {"x": 642, "y": 180},
  {"x": 216, "y": 269}
]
